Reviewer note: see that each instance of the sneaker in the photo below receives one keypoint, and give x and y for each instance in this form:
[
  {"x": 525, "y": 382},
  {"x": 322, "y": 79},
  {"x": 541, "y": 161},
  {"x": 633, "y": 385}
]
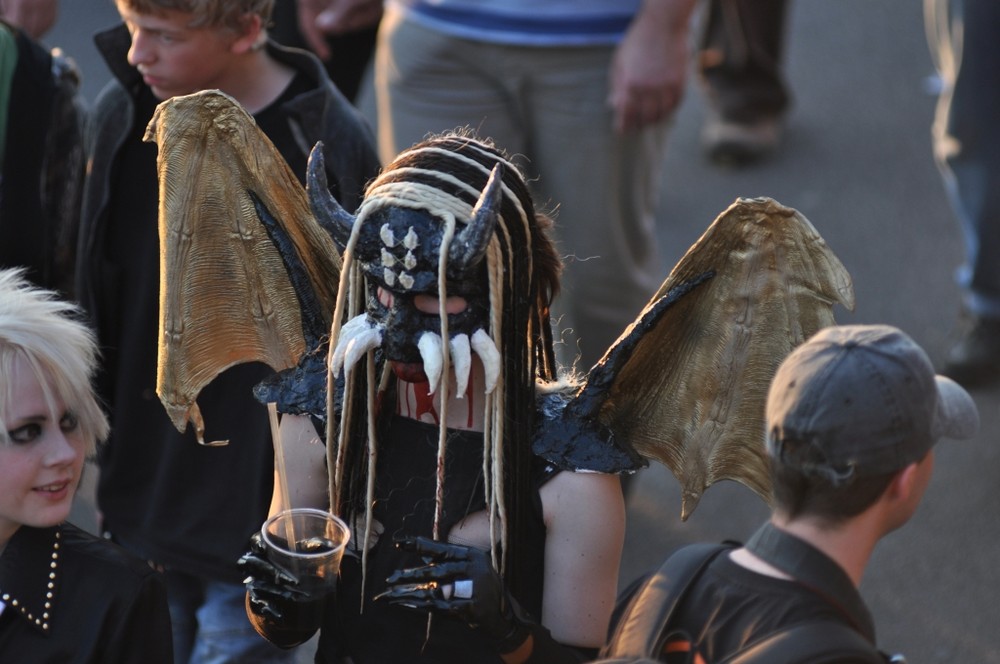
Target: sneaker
[
  {"x": 733, "y": 143},
  {"x": 974, "y": 361}
]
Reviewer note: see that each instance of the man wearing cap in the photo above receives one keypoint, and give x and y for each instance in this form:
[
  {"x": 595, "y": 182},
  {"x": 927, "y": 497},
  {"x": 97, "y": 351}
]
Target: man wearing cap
[{"x": 852, "y": 417}]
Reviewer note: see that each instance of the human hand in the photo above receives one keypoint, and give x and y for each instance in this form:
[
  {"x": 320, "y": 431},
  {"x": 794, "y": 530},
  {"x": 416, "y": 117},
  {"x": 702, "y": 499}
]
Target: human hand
[
  {"x": 34, "y": 17},
  {"x": 649, "y": 68},
  {"x": 459, "y": 581},
  {"x": 319, "y": 18}
]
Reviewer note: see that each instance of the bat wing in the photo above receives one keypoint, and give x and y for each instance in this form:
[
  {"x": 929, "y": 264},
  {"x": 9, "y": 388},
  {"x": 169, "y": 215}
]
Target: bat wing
[
  {"x": 686, "y": 384},
  {"x": 246, "y": 273}
]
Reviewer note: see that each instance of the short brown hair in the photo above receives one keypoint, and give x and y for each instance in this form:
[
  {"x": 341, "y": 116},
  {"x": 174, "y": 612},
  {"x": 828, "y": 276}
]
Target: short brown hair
[
  {"x": 206, "y": 13},
  {"x": 797, "y": 493}
]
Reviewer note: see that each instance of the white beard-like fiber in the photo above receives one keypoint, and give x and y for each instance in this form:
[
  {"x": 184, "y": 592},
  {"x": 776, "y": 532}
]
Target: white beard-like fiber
[{"x": 360, "y": 335}]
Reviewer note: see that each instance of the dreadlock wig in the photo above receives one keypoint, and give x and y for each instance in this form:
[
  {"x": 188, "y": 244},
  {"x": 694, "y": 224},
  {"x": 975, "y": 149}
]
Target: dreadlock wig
[{"x": 450, "y": 216}]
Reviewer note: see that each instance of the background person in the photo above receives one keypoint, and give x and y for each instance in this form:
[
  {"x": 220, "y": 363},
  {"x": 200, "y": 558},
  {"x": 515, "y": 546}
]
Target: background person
[
  {"x": 188, "y": 508},
  {"x": 740, "y": 61},
  {"x": 584, "y": 92},
  {"x": 967, "y": 150},
  {"x": 41, "y": 159}
]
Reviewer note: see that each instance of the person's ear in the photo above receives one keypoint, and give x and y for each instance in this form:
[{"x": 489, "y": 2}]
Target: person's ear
[
  {"x": 249, "y": 34},
  {"x": 904, "y": 483},
  {"x": 902, "y": 496}
]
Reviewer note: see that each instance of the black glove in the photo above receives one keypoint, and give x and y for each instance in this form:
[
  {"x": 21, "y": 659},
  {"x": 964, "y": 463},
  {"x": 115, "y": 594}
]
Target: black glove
[
  {"x": 458, "y": 581},
  {"x": 280, "y": 610}
]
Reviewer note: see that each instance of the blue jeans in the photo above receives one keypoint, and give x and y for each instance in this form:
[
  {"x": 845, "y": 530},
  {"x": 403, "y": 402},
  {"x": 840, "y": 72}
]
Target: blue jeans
[
  {"x": 210, "y": 624},
  {"x": 963, "y": 36}
]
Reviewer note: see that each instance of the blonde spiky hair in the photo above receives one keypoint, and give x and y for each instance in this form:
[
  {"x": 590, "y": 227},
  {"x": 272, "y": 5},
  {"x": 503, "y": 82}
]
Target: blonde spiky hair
[{"x": 47, "y": 332}]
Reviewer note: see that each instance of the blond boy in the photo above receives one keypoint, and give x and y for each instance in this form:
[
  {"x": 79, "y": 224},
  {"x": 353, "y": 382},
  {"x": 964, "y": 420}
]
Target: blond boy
[{"x": 190, "y": 509}]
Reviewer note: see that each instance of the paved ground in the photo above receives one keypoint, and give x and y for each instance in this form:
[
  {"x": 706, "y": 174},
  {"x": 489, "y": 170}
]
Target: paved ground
[{"x": 857, "y": 163}]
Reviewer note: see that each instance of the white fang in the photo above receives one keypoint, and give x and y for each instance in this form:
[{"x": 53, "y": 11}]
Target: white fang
[
  {"x": 430, "y": 346},
  {"x": 461, "y": 362},
  {"x": 488, "y": 353},
  {"x": 357, "y": 337}
]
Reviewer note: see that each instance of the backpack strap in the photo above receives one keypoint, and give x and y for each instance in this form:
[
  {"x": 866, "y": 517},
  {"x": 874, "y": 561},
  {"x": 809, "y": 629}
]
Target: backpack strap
[
  {"x": 817, "y": 642},
  {"x": 639, "y": 631}
]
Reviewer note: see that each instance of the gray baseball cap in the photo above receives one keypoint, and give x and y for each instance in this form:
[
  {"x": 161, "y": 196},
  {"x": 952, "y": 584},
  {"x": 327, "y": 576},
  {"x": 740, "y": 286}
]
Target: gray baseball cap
[{"x": 862, "y": 400}]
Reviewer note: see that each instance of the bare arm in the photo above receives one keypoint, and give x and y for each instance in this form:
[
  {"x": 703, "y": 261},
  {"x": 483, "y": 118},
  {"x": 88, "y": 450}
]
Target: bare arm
[
  {"x": 271, "y": 592},
  {"x": 585, "y": 524},
  {"x": 305, "y": 466},
  {"x": 649, "y": 69}
]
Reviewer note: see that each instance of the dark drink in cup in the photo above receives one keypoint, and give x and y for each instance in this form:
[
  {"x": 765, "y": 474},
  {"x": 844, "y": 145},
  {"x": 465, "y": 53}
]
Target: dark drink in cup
[
  {"x": 307, "y": 614},
  {"x": 314, "y": 559}
]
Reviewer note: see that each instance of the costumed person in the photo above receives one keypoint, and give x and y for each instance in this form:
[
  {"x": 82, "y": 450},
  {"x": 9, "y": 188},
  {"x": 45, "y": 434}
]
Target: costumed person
[
  {"x": 482, "y": 493},
  {"x": 447, "y": 280},
  {"x": 186, "y": 507},
  {"x": 65, "y": 595}
]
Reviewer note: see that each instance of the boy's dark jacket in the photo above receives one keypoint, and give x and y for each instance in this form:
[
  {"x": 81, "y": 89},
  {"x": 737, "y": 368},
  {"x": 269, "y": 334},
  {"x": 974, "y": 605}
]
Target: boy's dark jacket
[{"x": 314, "y": 115}]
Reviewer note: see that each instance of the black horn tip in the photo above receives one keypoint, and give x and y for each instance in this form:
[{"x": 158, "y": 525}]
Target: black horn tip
[{"x": 316, "y": 167}]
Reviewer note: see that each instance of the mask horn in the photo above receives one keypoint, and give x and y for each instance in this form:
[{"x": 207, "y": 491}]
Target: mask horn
[
  {"x": 332, "y": 217},
  {"x": 469, "y": 246}
]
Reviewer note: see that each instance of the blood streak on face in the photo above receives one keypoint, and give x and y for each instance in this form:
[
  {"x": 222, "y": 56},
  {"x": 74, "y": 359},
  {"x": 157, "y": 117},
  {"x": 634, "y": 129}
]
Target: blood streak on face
[{"x": 415, "y": 400}]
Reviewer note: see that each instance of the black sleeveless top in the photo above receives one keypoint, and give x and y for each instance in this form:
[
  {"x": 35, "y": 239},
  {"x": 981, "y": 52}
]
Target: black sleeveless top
[{"x": 404, "y": 505}]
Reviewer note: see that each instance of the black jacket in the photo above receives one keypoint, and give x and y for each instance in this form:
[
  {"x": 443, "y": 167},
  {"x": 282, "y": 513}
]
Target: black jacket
[
  {"x": 73, "y": 598},
  {"x": 42, "y": 169}
]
